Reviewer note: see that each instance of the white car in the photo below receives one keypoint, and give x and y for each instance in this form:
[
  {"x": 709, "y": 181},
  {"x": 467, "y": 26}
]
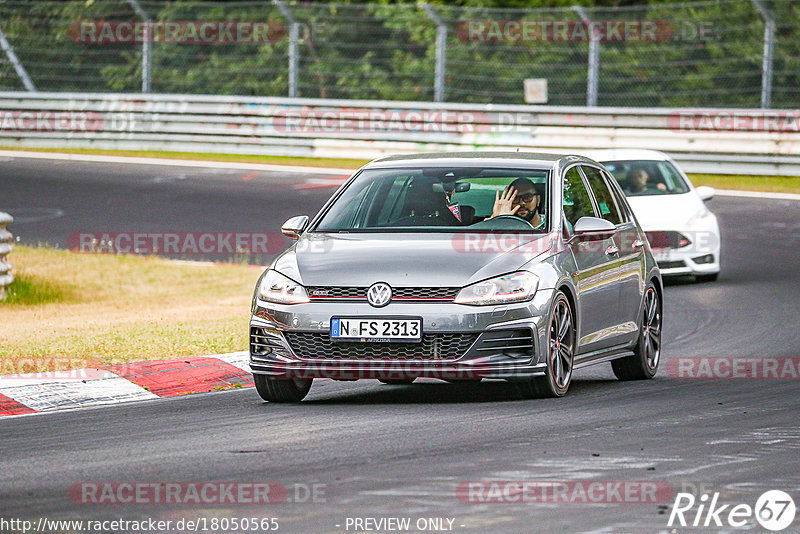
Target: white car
[{"x": 683, "y": 233}]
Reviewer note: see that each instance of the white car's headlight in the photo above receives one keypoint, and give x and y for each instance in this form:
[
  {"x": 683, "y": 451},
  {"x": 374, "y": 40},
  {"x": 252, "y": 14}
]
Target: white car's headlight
[
  {"x": 277, "y": 288},
  {"x": 513, "y": 287},
  {"x": 702, "y": 221}
]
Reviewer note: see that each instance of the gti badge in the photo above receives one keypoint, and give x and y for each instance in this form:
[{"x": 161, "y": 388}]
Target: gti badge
[{"x": 379, "y": 294}]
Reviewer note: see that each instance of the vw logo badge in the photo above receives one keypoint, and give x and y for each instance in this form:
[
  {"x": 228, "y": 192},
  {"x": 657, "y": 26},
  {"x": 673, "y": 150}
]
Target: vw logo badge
[{"x": 379, "y": 294}]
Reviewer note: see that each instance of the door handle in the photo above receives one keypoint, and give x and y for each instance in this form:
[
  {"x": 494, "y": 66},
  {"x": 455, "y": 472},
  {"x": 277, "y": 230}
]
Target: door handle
[
  {"x": 638, "y": 243},
  {"x": 611, "y": 250}
]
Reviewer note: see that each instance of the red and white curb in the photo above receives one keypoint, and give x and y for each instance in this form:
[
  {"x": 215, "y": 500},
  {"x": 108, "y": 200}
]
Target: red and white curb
[{"x": 23, "y": 394}]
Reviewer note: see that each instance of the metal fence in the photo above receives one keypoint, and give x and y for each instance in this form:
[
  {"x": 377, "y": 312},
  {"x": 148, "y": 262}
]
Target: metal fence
[
  {"x": 710, "y": 140},
  {"x": 721, "y": 53}
]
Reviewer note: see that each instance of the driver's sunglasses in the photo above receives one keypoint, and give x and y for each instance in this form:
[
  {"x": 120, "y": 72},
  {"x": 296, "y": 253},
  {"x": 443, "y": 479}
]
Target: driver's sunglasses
[{"x": 527, "y": 197}]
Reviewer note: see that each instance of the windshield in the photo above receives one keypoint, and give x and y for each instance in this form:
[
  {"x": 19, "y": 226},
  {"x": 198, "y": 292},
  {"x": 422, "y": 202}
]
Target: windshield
[
  {"x": 647, "y": 177},
  {"x": 438, "y": 199}
]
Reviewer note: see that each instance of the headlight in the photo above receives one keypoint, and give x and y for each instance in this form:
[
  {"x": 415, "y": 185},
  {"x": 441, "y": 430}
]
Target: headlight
[
  {"x": 513, "y": 287},
  {"x": 701, "y": 221},
  {"x": 277, "y": 288}
]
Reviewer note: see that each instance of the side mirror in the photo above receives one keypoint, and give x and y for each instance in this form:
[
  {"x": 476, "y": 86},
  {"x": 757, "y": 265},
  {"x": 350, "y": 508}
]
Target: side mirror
[
  {"x": 705, "y": 192},
  {"x": 295, "y": 226},
  {"x": 594, "y": 229}
]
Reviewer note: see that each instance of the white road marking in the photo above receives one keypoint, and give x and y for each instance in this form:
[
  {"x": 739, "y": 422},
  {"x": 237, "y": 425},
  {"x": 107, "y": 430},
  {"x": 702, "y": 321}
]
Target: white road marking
[{"x": 173, "y": 162}]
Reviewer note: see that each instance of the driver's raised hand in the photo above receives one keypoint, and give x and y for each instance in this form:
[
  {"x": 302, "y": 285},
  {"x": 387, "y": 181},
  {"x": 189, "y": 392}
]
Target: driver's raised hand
[{"x": 504, "y": 203}]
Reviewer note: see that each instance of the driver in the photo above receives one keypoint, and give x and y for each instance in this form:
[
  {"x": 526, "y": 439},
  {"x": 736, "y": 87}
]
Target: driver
[{"x": 521, "y": 198}]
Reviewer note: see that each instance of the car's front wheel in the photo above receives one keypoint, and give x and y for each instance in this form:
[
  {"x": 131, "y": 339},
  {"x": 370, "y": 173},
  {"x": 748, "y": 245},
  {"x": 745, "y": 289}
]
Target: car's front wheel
[
  {"x": 647, "y": 353},
  {"x": 560, "y": 353},
  {"x": 281, "y": 389}
]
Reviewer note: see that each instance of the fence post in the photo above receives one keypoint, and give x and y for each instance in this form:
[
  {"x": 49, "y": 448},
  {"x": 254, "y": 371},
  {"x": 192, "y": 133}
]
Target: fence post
[
  {"x": 594, "y": 58},
  {"x": 441, "y": 52},
  {"x": 5, "y": 248},
  {"x": 14, "y": 60},
  {"x": 146, "y": 42},
  {"x": 294, "y": 28},
  {"x": 766, "y": 62}
]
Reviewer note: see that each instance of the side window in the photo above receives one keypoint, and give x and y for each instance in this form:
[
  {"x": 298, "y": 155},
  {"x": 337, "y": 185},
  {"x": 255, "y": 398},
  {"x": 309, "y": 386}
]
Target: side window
[
  {"x": 577, "y": 202},
  {"x": 622, "y": 204},
  {"x": 605, "y": 200}
]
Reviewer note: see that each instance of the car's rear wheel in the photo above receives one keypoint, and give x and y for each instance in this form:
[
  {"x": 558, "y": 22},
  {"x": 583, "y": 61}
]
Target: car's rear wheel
[
  {"x": 281, "y": 389},
  {"x": 560, "y": 353},
  {"x": 397, "y": 381},
  {"x": 647, "y": 353}
]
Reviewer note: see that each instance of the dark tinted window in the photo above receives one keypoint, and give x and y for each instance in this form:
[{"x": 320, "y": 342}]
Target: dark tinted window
[
  {"x": 605, "y": 200},
  {"x": 622, "y": 204},
  {"x": 577, "y": 202}
]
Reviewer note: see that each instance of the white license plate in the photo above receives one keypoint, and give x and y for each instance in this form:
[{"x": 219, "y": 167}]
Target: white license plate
[{"x": 379, "y": 329}]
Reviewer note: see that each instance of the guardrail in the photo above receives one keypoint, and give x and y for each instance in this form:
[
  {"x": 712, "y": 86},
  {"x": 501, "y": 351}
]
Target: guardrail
[
  {"x": 5, "y": 249},
  {"x": 703, "y": 140}
]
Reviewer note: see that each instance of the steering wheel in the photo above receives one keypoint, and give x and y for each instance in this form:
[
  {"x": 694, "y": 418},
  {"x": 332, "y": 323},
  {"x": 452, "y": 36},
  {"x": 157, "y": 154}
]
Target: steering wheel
[{"x": 520, "y": 220}]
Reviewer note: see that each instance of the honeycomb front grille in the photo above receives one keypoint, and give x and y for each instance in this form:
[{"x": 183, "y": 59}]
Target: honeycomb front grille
[
  {"x": 398, "y": 293},
  {"x": 313, "y": 345}
]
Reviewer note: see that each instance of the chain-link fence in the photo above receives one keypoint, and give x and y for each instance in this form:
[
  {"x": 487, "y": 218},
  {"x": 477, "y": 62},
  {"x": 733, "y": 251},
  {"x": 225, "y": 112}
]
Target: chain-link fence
[{"x": 722, "y": 53}]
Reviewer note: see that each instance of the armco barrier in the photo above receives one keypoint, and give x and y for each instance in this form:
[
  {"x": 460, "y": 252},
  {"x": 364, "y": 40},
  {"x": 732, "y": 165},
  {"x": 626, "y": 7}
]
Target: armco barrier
[
  {"x": 703, "y": 140},
  {"x": 5, "y": 248}
]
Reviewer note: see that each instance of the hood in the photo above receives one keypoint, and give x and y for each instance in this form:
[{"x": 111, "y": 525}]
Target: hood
[
  {"x": 407, "y": 260},
  {"x": 667, "y": 212}
]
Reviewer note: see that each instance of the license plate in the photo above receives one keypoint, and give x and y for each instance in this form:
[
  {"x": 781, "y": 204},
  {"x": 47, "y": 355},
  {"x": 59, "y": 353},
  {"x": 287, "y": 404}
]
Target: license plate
[{"x": 377, "y": 329}]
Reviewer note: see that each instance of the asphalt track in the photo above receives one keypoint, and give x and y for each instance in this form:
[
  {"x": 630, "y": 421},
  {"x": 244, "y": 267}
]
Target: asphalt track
[{"x": 402, "y": 451}]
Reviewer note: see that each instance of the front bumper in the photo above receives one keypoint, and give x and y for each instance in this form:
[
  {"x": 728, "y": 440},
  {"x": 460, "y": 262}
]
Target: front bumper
[
  {"x": 675, "y": 262},
  {"x": 490, "y": 342}
]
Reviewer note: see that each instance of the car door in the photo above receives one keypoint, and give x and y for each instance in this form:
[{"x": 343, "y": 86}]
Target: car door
[
  {"x": 629, "y": 258},
  {"x": 595, "y": 275}
]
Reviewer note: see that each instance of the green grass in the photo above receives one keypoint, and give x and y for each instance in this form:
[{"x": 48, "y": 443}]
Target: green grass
[
  {"x": 28, "y": 290},
  {"x": 772, "y": 184},
  {"x": 69, "y": 310}
]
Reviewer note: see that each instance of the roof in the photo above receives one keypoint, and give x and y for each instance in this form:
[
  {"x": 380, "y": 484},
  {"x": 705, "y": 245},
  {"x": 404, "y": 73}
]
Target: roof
[
  {"x": 503, "y": 159},
  {"x": 625, "y": 154}
]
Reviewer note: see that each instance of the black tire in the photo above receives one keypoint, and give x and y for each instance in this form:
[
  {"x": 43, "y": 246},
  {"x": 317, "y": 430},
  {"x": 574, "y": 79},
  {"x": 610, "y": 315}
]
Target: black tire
[
  {"x": 397, "y": 381},
  {"x": 282, "y": 390},
  {"x": 561, "y": 343},
  {"x": 643, "y": 364},
  {"x": 706, "y": 277}
]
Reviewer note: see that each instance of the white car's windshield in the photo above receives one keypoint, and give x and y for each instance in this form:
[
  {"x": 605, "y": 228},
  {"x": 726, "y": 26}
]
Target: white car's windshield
[
  {"x": 438, "y": 199},
  {"x": 647, "y": 177}
]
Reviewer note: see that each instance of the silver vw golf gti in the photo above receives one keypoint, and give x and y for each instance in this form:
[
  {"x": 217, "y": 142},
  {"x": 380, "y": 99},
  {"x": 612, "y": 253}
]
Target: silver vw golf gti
[{"x": 461, "y": 267}]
